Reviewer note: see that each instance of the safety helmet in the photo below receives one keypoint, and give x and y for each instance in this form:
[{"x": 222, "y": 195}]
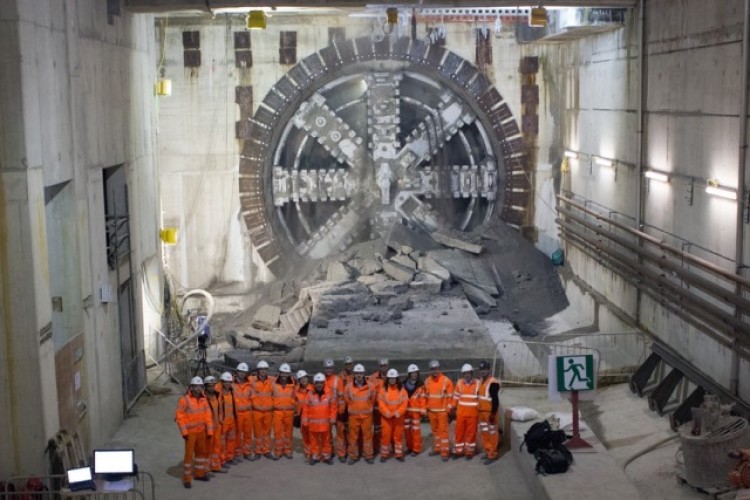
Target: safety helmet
[
  {"x": 301, "y": 373},
  {"x": 196, "y": 381},
  {"x": 434, "y": 363},
  {"x": 209, "y": 380},
  {"x": 262, "y": 365},
  {"x": 484, "y": 365},
  {"x": 242, "y": 367},
  {"x": 392, "y": 373},
  {"x": 285, "y": 368},
  {"x": 348, "y": 360},
  {"x": 319, "y": 377},
  {"x": 412, "y": 368},
  {"x": 226, "y": 377},
  {"x": 328, "y": 363},
  {"x": 467, "y": 368},
  {"x": 383, "y": 361},
  {"x": 358, "y": 369}
]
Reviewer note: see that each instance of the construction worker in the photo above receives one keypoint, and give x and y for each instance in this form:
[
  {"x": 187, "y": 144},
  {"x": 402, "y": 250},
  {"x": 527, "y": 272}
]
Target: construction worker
[
  {"x": 360, "y": 399},
  {"x": 243, "y": 399},
  {"x": 303, "y": 386},
  {"x": 416, "y": 409},
  {"x": 336, "y": 386},
  {"x": 319, "y": 414},
  {"x": 284, "y": 402},
  {"x": 262, "y": 410},
  {"x": 347, "y": 374},
  {"x": 229, "y": 423},
  {"x": 489, "y": 403},
  {"x": 196, "y": 425},
  {"x": 392, "y": 401},
  {"x": 466, "y": 407},
  {"x": 439, "y": 391},
  {"x": 214, "y": 442},
  {"x": 377, "y": 381}
]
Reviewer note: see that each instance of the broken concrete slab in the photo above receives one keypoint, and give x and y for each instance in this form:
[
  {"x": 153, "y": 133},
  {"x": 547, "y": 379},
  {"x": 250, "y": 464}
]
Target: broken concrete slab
[
  {"x": 366, "y": 266},
  {"x": 389, "y": 287},
  {"x": 279, "y": 338},
  {"x": 267, "y": 317},
  {"x": 338, "y": 271},
  {"x": 397, "y": 271},
  {"x": 466, "y": 268},
  {"x": 456, "y": 241},
  {"x": 429, "y": 265},
  {"x": 237, "y": 341},
  {"x": 347, "y": 288},
  {"x": 479, "y": 297},
  {"x": 404, "y": 260},
  {"x": 372, "y": 279},
  {"x": 400, "y": 236},
  {"x": 342, "y": 303},
  {"x": 426, "y": 283},
  {"x": 402, "y": 302},
  {"x": 294, "y": 320}
]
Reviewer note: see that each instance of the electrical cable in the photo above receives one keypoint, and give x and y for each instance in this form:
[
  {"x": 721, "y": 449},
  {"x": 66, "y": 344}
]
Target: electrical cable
[{"x": 648, "y": 449}]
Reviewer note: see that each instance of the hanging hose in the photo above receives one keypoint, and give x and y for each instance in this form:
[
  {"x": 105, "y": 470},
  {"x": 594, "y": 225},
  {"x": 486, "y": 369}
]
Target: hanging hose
[{"x": 649, "y": 449}]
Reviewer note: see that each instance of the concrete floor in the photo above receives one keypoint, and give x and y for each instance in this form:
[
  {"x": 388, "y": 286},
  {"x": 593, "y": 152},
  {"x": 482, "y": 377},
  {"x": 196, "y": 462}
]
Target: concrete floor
[{"x": 622, "y": 421}]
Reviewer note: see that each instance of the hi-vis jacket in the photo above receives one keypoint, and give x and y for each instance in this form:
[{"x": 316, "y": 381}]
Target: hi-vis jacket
[
  {"x": 284, "y": 398},
  {"x": 243, "y": 395},
  {"x": 262, "y": 393},
  {"x": 359, "y": 399},
  {"x": 466, "y": 398},
  {"x": 193, "y": 415},
  {"x": 439, "y": 393},
  {"x": 418, "y": 400},
  {"x": 485, "y": 398},
  {"x": 319, "y": 411},
  {"x": 392, "y": 401}
]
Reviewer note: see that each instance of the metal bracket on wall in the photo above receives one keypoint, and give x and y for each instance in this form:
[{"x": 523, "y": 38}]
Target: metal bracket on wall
[
  {"x": 746, "y": 201},
  {"x": 690, "y": 191}
]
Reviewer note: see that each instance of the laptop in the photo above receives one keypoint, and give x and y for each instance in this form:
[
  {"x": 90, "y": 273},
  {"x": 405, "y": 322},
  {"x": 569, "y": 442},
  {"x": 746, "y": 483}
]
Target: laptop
[{"x": 80, "y": 479}]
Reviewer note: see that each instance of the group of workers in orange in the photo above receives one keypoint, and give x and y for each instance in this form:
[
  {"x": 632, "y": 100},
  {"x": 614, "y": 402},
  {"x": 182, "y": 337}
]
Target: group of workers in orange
[{"x": 227, "y": 420}]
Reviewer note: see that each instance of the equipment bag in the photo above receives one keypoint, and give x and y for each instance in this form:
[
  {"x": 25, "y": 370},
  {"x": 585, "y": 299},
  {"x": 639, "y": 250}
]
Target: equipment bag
[
  {"x": 553, "y": 460},
  {"x": 541, "y": 435}
]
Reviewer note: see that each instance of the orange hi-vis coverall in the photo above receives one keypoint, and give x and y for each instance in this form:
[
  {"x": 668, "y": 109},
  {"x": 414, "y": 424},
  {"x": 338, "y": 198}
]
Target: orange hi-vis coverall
[
  {"x": 416, "y": 408},
  {"x": 214, "y": 442},
  {"x": 439, "y": 394},
  {"x": 488, "y": 412},
  {"x": 284, "y": 402},
  {"x": 360, "y": 400},
  {"x": 466, "y": 401},
  {"x": 262, "y": 414},
  {"x": 300, "y": 393},
  {"x": 392, "y": 402},
  {"x": 243, "y": 400},
  {"x": 319, "y": 414},
  {"x": 196, "y": 425},
  {"x": 228, "y": 425},
  {"x": 336, "y": 386},
  {"x": 376, "y": 381}
]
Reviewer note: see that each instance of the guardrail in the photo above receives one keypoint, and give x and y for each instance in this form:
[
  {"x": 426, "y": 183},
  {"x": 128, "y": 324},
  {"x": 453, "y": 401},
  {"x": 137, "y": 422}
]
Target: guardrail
[{"x": 54, "y": 487}]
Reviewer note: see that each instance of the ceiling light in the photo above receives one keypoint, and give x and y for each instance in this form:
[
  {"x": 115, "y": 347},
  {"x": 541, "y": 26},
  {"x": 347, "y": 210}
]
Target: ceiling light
[
  {"x": 164, "y": 87},
  {"x": 657, "y": 176},
  {"x": 256, "y": 20},
  {"x": 571, "y": 154},
  {"x": 538, "y": 17},
  {"x": 604, "y": 162},
  {"x": 715, "y": 189}
]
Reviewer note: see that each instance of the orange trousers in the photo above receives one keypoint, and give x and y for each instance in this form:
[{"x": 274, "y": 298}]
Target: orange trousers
[
  {"x": 360, "y": 426},
  {"x": 466, "y": 435},
  {"x": 490, "y": 436},
  {"x": 320, "y": 445},
  {"x": 340, "y": 441},
  {"x": 215, "y": 446},
  {"x": 195, "y": 461},
  {"x": 244, "y": 437},
  {"x": 439, "y": 427},
  {"x": 262, "y": 431},
  {"x": 283, "y": 426},
  {"x": 377, "y": 428},
  {"x": 229, "y": 441},
  {"x": 413, "y": 431},
  {"x": 305, "y": 433},
  {"x": 393, "y": 432}
]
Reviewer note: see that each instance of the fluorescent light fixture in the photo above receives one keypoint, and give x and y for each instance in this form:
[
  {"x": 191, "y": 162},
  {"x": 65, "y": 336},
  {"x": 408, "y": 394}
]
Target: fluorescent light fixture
[
  {"x": 715, "y": 189},
  {"x": 657, "y": 176},
  {"x": 538, "y": 17},
  {"x": 571, "y": 154},
  {"x": 604, "y": 162},
  {"x": 256, "y": 20}
]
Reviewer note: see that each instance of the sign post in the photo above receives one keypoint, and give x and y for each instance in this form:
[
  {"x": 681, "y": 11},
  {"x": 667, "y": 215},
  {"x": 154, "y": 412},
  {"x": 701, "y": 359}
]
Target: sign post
[{"x": 576, "y": 373}]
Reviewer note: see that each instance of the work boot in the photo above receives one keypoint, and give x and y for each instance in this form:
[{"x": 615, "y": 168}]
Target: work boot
[
  {"x": 469, "y": 457},
  {"x": 352, "y": 461},
  {"x": 269, "y": 455},
  {"x": 433, "y": 453},
  {"x": 370, "y": 460},
  {"x": 205, "y": 478},
  {"x": 289, "y": 456},
  {"x": 187, "y": 485},
  {"x": 445, "y": 459},
  {"x": 383, "y": 459},
  {"x": 223, "y": 470},
  {"x": 274, "y": 457},
  {"x": 455, "y": 456},
  {"x": 488, "y": 461},
  {"x": 342, "y": 459},
  {"x": 400, "y": 459},
  {"x": 328, "y": 461},
  {"x": 313, "y": 461},
  {"x": 414, "y": 453}
]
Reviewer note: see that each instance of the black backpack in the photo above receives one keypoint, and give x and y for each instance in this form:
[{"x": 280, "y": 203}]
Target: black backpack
[
  {"x": 553, "y": 460},
  {"x": 540, "y": 435}
]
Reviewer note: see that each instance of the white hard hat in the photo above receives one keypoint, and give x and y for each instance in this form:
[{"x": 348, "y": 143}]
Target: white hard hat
[
  {"x": 301, "y": 373},
  {"x": 348, "y": 360},
  {"x": 392, "y": 373},
  {"x": 209, "y": 380},
  {"x": 226, "y": 377},
  {"x": 412, "y": 368},
  {"x": 285, "y": 368},
  {"x": 319, "y": 377},
  {"x": 328, "y": 363},
  {"x": 242, "y": 367},
  {"x": 434, "y": 363},
  {"x": 359, "y": 369},
  {"x": 196, "y": 381},
  {"x": 262, "y": 365},
  {"x": 467, "y": 368},
  {"x": 383, "y": 361}
]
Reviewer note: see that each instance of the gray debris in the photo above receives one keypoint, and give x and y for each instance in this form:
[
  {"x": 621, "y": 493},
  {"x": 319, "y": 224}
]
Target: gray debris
[
  {"x": 429, "y": 265},
  {"x": 339, "y": 272},
  {"x": 294, "y": 320},
  {"x": 456, "y": 242},
  {"x": 482, "y": 300},
  {"x": 398, "y": 271},
  {"x": 366, "y": 266},
  {"x": 402, "y": 302},
  {"x": 426, "y": 283},
  {"x": 404, "y": 260},
  {"x": 267, "y": 317},
  {"x": 372, "y": 279},
  {"x": 401, "y": 236},
  {"x": 389, "y": 287},
  {"x": 466, "y": 268}
]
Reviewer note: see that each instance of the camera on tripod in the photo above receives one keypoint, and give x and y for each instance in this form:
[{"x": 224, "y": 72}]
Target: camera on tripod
[{"x": 199, "y": 324}]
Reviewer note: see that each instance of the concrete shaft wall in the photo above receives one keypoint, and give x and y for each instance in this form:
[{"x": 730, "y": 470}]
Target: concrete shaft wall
[
  {"x": 76, "y": 96},
  {"x": 691, "y": 103},
  {"x": 198, "y": 152}
]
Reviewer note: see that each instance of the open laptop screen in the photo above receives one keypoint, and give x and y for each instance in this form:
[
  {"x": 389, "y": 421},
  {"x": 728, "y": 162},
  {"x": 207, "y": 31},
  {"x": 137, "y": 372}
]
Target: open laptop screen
[
  {"x": 113, "y": 462},
  {"x": 79, "y": 475}
]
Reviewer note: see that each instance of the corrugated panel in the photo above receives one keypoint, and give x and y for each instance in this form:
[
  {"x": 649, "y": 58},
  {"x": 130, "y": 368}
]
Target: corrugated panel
[
  {"x": 489, "y": 99},
  {"x": 365, "y": 50}
]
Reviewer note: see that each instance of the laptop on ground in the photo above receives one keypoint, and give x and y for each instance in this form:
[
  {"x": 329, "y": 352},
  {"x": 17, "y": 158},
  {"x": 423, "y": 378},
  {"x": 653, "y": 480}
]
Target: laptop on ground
[{"x": 80, "y": 479}]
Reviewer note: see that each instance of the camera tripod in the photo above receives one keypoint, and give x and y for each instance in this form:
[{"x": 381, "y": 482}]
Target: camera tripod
[{"x": 202, "y": 367}]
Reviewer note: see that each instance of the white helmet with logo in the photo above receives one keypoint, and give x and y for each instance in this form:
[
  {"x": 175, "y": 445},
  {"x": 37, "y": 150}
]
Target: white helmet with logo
[
  {"x": 467, "y": 368},
  {"x": 383, "y": 361},
  {"x": 348, "y": 360},
  {"x": 209, "y": 380},
  {"x": 285, "y": 368},
  {"x": 412, "y": 368},
  {"x": 319, "y": 377},
  {"x": 434, "y": 363},
  {"x": 196, "y": 381},
  {"x": 226, "y": 377},
  {"x": 328, "y": 363},
  {"x": 392, "y": 373},
  {"x": 262, "y": 365},
  {"x": 301, "y": 373},
  {"x": 358, "y": 369},
  {"x": 242, "y": 367}
]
